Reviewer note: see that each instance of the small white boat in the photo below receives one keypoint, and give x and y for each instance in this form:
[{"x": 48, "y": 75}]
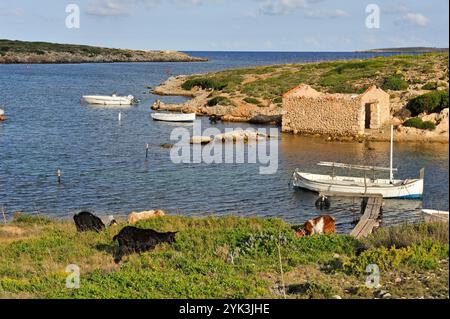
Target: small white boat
[
  {"x": 431, "y": 216},
  {"x": 174, "y": 117},
  {"x": 110, "y": 99},
  {"x": 407, "y": 189},
  {"x": 388, "y": 188},
  {"x": 2, "y": 115}
]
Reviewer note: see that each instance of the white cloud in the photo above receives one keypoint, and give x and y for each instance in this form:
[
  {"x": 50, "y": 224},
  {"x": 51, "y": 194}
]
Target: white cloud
[
  {"x": 123, "y": 7},
  {"x": 416, "y": 19},
  {"x": 280, "y": 7},
  {"x": 318, "y": 14},
  {"x": 107, "y": 8},
  {"x": 395, "y": 9},
  {"x": 283, "y": 7}
]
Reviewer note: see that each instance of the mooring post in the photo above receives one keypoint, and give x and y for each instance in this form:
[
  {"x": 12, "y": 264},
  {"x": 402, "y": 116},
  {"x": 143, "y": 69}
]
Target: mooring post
[
  {"x": 58, "y": 175},
  {"x": 146, "y": 150},
  {"x": 120, "y": 117}
]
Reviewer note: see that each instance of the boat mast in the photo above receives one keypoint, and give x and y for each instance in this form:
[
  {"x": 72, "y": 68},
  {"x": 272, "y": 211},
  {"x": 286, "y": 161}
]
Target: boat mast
[{"x": 391, "y": 167}]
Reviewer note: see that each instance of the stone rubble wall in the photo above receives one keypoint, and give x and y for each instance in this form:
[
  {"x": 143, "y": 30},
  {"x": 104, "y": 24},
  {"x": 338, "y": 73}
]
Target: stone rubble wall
[{"x": 324, "y": 115}]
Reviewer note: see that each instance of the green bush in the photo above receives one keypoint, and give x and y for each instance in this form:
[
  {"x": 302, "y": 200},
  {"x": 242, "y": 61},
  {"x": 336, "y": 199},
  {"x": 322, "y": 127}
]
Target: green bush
[
  {"x": 432, "y": 102},
  {"x": 428, "y": 125},
  {"x": 395, "y": 83},
  {"x": 430, "y": 86},
  {"x": 420, "y": 124},
  {"x": 222, "y": 100},
  {"x": 425, "y": 255},
  {"x": 252, "y": 101},
  {"x": 204, "y": 84}
]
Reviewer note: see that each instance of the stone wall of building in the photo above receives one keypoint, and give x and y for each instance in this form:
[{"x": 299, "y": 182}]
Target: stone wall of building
[
  {"x": 306, "y": 110},
  {"x": 380, "y": 114},
  {"x": 322, "y": 115}
]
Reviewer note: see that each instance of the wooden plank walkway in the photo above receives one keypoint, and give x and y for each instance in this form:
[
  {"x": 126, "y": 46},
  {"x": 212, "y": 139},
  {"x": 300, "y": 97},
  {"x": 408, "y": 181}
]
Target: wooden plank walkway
[{"x": 369, "y": 220}]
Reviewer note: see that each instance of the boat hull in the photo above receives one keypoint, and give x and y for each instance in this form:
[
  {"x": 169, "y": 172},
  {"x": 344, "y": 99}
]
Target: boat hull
[
  {"x": 432, "y": 216},
  {"x": 408, "y": 189},
  {"x": 168, "y": 117},
  {"x": 108, "y": 100}
]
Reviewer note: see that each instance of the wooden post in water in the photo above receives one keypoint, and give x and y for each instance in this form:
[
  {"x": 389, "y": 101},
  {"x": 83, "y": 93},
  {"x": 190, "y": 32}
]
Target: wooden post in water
[
  {"x": 391, "y": 171},
  {"x": 146, "y": 150},
  {"x": 58, "y": 175}
]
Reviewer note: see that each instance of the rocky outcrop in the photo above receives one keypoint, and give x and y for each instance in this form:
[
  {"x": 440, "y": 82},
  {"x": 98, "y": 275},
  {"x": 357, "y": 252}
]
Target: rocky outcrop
[
  {"x": 237, "y": 111},
  {"x": 234, "y": 136}
]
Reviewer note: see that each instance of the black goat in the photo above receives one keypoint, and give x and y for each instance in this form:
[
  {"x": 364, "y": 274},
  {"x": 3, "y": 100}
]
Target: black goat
[
  {"x": 86, "y": 221},
  {"x": 136, "y": 240}
]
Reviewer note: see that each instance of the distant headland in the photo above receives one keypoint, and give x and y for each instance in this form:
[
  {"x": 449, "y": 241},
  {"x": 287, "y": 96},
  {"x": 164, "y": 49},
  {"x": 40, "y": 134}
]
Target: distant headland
[
  {"x": 44, "y": 52},
  {"x": 407, "y": 50}
]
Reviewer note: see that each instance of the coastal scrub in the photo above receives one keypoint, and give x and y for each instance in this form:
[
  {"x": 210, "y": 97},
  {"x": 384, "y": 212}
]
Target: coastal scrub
[{"x": 226, "y": 257}]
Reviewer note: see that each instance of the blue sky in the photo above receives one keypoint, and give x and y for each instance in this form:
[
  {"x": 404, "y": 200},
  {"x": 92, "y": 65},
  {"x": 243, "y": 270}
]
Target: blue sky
[{"x": 230, "y": 25}]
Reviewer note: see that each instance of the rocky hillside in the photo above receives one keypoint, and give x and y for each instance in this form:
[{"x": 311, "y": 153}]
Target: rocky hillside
[
  {"x": 43, "y": 52},
  {"x": 255, "y": 94}
]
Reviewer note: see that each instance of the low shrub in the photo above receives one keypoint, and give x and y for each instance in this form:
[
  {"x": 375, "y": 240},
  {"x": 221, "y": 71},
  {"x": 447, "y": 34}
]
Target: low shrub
[
  {"x": 408, "y": 234},
  {"x": 252, "y": 100},
  {"x": 204, "y": 83},
  {"x": 395, "y": 83},
  {"x": 420, "y": 124},
  {"x": 424, "y": 256},
  {"x": 430, "y": 86},
  {"x": 222, "y": 100},
  {"x": 429, "y": 103}
]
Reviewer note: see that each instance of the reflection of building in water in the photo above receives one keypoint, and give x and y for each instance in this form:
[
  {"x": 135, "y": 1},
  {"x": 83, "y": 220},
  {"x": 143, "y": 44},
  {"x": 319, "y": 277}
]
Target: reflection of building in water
[{"x": 309, "y": 111}]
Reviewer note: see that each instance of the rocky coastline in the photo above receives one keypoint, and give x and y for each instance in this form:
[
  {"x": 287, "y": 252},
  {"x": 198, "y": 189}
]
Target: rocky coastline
[
  {"x": 255, "y": 95},
  {"x": 20, "y": 52}
]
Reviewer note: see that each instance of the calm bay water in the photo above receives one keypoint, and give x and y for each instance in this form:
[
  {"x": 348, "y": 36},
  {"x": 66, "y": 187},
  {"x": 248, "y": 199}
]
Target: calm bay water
[{"x": 103, "y": 161}]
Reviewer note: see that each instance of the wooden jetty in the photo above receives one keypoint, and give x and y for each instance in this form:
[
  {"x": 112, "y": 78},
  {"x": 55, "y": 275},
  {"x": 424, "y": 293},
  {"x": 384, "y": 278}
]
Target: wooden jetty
[
  {"x": 371, "y": 214},
  {"x": 370, "y": 219}
]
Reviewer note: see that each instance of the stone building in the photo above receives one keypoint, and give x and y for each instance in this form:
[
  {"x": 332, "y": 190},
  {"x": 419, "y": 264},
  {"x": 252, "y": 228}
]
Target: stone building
[{"x": 306, "y": 110}]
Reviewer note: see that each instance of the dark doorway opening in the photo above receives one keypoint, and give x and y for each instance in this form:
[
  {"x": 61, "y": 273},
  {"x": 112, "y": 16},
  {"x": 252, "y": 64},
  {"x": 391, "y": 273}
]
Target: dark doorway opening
[{"x": 368, "y": 115}]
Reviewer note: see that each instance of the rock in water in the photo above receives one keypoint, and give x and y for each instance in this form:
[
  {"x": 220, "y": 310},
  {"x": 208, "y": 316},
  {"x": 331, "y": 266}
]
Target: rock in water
[{"x": 200, "y": 140}]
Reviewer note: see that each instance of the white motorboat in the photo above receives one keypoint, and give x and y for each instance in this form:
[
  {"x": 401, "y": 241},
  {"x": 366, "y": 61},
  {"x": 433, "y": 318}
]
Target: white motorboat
[
  {"x": 110, "y": 99},
  {"x": 388, "y": 188},
  {"x": 431, "y": 216},
  {"x": 174, "y": 117}
]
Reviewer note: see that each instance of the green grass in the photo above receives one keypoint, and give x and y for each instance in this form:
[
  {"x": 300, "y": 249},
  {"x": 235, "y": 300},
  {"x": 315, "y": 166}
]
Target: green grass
[
  {"x": 226, "y": 257},
  {"x": 41, "y": 48},
  {"x": 252, "y": 101}
]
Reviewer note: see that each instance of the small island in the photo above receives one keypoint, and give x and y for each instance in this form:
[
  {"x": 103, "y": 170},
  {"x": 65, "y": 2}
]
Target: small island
[
  {"x": 22, "y": 52},
  {"x": 416, "y": 87},
  {"x": 407, "y": 50}
]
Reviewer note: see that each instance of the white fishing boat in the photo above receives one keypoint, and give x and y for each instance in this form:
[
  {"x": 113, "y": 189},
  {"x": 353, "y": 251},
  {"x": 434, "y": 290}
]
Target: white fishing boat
[
  {"x": 431, "y": 216},
  {"x": 174, "y": 117},
  {"x": 388, "y": 188},
  {"x": 110, "y": 99}
]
